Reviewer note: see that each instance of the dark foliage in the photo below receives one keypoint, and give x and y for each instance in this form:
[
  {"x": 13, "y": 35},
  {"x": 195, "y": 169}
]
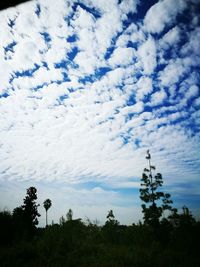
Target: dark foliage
[
  {"x": 47, "y": 204},
  {"x": 156, "y": 201},
  {"x": 74, "y": 243},
  {"x": 25, "y": 217}
]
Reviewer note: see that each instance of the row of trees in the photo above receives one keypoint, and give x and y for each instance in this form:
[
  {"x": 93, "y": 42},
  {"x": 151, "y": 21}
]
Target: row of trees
[
  {"x": 155, "y": 204},
  {"x": 26, "y": 215},
  {"x": 164, "y": 238}
]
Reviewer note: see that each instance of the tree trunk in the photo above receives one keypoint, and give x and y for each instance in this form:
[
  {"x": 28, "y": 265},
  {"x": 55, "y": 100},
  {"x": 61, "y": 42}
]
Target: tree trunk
[{"x": 46, "y": 219}]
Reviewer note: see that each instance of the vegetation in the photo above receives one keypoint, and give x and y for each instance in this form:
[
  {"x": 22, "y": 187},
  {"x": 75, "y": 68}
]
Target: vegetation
[
  {"x": 170, "y": 241},
  {"x": 26, "y": 216},
  {"x": 156, "y": 200},
  {"x": 47, "y": 204}
]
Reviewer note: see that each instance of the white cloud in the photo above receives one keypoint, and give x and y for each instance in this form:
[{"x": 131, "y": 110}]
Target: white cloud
[
  {"x": 197, "y": 102},
  {"x": 147, "y": 55},
  {"x": 163, "y": 13},
  {"x": 158, "y": 98},
  {"x": 192, "y": 46},
  {"x": 172, "y": 72},
  {"x": 127, "y": 6},
  {"x": 171, "y": 37},
  {"x": 192, "y": 92},
  {"x": 144, "y": 87},
  {"x": 122, "y": 57}
]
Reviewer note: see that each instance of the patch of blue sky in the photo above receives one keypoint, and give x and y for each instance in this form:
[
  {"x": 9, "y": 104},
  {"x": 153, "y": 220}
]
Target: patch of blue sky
[
  {"x": 128, "y": 191},
  {"x": 63, "y": 97},
  {"x": 11, "y": 23},
  {"x": 162, "y": 113},
  {"x": 137, "y": 142},
  {"x": 10, "y": 47},
  {"x": 109, "y": 52},
  {"x": 62, "y": 64},
  {"x": 131, "y": 100},
  {"x": 96, "y": 14},
  {"x": 129, "y": 116},
  {"x": 99, "y": 73},
  {"x": 131, "y": 44},
  {"x": 179, "y": 121},
  {"x": 4, "y": 95},
  {"x": 38, "y": 87},
  {"x": 72, "y": 38},
  {"x": 146, "y": 98},
  {"x": 148, "y": 108},
  {"x": 142, "y": 9},
  {"x": 186, "y": 16},
  {"x": 130, "y": 18},
  {"x": 25, "y": 73},
  {"x": 138, "y": 16},
  {"x": 87, "y": 79},
  {"x": 72, "y": 54},
  {"x": 69, "y": 18},
  {"x": 189, "y": 200},
  {"x": 173, "y": 51},
  {"x": 191, "y": 126},
  {"x": 190, "y": 101},
  {"x": 125, "y": 139},
  {"x": 157, "y": 107},
  {"x": 38, "y": 10},
  {"x": 65, "y": 77},
  {"x": 46, "y": 36}
]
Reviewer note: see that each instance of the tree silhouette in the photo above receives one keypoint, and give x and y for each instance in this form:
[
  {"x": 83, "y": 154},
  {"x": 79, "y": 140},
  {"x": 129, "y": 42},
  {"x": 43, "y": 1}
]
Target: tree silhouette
[
  {"x": 110, "y": 215},
  {"x": 47, "y": 204},
  {"x": 26, "y": 216},
  {"x": 156, "y": 202},
  {"x": 69, "y": 215},
  {"x": 111, "y": 218}
]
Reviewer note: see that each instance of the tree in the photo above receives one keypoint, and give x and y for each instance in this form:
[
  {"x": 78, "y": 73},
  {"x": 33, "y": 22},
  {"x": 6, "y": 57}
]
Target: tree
[
  {"x": 26, "y": 216},
  {"x": 69, "y": 215},
  {"x": 47, "y": 204},
  {"x": 111, "y": 218},
  {"x": 156, "y": 202}
]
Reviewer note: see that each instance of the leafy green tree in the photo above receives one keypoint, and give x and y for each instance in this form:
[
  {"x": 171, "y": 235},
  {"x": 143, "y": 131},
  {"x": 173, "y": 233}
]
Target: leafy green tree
[
  {"x": 47, "y": 204},
  {"x": 156, "y": 202}
]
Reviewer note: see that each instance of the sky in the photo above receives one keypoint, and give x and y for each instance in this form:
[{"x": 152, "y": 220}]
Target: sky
[{"x": 86, "y": 88}]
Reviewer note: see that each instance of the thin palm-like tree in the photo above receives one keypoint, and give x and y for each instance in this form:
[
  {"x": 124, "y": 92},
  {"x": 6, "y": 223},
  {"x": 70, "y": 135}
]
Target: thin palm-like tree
[{"x": 47, "y": 204}]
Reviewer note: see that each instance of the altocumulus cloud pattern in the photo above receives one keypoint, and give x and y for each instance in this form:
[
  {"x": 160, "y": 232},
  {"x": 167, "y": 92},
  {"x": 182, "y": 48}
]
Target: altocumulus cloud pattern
[{"x": 86, "y": 87}]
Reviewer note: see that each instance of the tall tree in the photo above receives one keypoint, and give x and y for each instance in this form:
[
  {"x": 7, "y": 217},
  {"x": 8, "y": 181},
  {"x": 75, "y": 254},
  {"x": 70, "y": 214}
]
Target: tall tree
[
  {"x": 47, "y": 204},
  {"x": 27, "y": 214},
  {"x": 30, "y": 207},
  {"x": 156, "y": 202}
]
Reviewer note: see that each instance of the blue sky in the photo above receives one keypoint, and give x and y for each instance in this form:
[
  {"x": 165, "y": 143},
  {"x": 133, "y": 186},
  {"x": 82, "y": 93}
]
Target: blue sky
[{"x": 86, "y": 87}]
